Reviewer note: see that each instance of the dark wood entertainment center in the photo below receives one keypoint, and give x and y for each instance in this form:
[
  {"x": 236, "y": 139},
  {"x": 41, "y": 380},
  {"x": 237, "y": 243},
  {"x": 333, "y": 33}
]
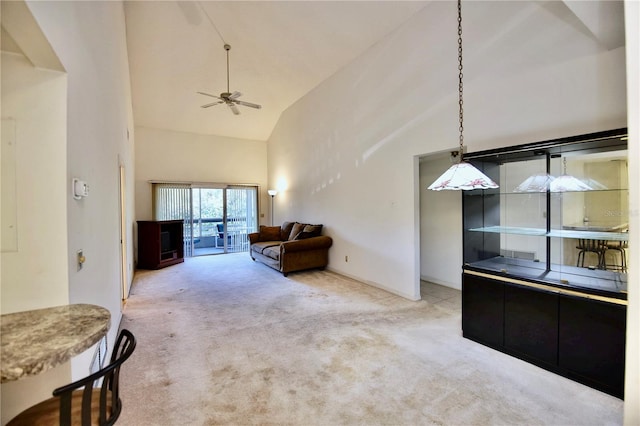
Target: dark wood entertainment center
[{"x": 160, "y": 243}]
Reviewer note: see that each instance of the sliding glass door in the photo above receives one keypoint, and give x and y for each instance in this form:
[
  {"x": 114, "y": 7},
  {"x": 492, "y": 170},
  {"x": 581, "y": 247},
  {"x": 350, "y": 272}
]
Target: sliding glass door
[
  {"x": 242, "y": 216},
  {"x": 217, "y": 219},
  {"x": 208, "y": 220}
]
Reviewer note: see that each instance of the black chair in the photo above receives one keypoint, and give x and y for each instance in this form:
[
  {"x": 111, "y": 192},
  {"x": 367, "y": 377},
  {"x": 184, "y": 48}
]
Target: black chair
[
  {"x": 79, "y": 403},
  {"x": 220, "y": 228},
  {"x": 597, "y": 247},
  {"x": 621, "y": 248}
]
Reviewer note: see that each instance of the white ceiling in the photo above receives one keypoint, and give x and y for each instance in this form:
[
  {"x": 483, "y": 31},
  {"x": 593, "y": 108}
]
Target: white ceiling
[{"x": 280, "y": 50}]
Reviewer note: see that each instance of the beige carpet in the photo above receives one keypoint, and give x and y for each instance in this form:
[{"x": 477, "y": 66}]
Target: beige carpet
[{"x": 224, "y": 340}]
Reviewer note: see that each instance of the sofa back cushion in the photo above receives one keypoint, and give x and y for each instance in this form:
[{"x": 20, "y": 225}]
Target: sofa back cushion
[
  {"x": 285, "y": 230},
  {"x": 309, "y": 231},
  {"x": 295, "y": 230},
  {"x": 270, "y": 233}
]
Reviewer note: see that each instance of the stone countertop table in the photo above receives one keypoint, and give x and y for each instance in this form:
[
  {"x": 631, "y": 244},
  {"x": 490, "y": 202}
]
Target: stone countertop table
[{"x": 35, "y": 341}]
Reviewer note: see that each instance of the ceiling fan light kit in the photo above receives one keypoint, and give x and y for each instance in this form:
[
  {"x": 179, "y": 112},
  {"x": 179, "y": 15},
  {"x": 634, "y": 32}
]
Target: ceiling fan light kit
[{"x": 231, "y": 99}]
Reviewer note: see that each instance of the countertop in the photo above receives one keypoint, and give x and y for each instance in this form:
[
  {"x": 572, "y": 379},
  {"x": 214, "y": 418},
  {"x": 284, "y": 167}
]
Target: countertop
[{"x": 37, "y": 340}]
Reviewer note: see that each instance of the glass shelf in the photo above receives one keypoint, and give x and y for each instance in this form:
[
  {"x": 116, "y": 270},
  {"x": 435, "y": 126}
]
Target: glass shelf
[
  {"x": 543, "y": 193},
  {"x": 556, "y": 233}
]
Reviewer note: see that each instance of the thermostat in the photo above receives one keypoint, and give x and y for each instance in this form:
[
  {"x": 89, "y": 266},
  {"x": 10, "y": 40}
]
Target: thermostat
[{"x": 79, "y": 188}]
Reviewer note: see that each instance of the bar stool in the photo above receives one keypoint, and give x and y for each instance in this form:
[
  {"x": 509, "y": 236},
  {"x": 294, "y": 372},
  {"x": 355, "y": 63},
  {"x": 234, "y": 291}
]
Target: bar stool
[
  {"x": 620, "y": 247},
  {"x": 591, "y": 246}
]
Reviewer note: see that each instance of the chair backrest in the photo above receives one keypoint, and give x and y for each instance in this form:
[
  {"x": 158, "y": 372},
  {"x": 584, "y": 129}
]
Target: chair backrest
[
  {"x": 104, "y": 401},
  {"x": 220, "y": 227}
]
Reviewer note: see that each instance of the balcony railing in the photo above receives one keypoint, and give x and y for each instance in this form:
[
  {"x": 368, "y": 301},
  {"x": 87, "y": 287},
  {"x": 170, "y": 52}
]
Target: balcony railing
[{"x": 208, "y": 236}]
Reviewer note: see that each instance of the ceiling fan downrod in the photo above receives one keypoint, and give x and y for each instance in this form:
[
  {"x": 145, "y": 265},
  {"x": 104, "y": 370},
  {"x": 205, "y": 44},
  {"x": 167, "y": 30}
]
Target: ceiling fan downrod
[
  {"x": 231, "y": 99},
  {"x": 227, "y": 48}
]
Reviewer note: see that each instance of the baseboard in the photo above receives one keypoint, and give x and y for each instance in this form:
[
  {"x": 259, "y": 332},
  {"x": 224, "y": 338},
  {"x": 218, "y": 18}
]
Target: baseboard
[
  {"x": 375, "y": 284},
  {"x": 457, "y": 286}
]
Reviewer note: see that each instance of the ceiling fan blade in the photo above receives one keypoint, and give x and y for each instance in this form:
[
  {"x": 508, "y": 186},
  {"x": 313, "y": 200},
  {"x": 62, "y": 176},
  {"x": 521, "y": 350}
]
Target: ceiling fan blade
[
  {"x": 248, "y": 104},
  {"x": 211, "y": 104},
  {"x": 206, "y": 94},
  {"x": 234, "y": 108},
  {"x": 235, "y": 95}
]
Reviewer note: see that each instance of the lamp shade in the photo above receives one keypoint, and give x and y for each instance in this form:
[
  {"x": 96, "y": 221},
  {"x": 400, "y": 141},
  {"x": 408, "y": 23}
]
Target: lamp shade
[
  {"x": 462, "y": 176},
  {"x": 567, "y": 183},
  {"x": 535, "y": 183},
  {"x": 594, "y": 184},
  {"x": 272, "y": 192}
]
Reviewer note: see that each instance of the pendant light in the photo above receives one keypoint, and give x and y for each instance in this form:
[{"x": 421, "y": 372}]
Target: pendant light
[
  {"x": 567, "y": 183},
  {"x": 535, "y": 183},
  {"x": 463, "y": 175}
]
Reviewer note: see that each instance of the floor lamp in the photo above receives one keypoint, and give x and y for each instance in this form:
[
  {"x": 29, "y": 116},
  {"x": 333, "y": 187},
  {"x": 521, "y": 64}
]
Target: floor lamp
[{"x": 273, "y": 193}]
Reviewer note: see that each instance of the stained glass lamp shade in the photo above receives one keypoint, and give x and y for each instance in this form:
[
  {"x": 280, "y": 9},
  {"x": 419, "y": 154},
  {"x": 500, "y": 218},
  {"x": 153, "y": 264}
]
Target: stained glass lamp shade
[{"x": 462, "y": 176}]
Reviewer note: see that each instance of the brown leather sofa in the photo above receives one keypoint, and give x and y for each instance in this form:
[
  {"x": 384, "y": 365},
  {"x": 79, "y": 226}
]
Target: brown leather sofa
[{"x": 291, "y": 247}]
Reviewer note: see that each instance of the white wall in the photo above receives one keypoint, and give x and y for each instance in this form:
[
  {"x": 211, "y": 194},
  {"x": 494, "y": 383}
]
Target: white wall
[
  {"x": 89, "y": 40},
  {"x": 346, "y": 149},
  {"x": 189, "y": 157},
  {"x": 632, "y": 373},
  {"x": 35, "y": 275},
  {"x": 440, "y": 220}
]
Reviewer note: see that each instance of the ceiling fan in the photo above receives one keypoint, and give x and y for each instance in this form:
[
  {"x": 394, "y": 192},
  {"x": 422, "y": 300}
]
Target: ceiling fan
[{"x": 231, "y": 99}]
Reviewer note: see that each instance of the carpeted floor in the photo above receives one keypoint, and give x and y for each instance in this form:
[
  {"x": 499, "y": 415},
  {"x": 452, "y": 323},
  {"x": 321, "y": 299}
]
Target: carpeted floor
[{"x": 224, "y": 340}]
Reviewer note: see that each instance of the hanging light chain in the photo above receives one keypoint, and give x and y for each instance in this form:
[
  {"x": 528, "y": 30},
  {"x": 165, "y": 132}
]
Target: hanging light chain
[
  {"x": 462, "y": 176},
  {"x": 460, "y": 101}
]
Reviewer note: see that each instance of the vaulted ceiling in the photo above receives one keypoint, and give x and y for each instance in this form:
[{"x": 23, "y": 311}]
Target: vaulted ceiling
[{"x": 280, "y": 50}]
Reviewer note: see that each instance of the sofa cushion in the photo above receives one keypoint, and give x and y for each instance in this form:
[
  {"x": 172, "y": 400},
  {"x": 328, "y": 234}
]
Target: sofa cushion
[
  {"x": 297, "y": 228},
  {"x": 309, "y": 231},
  {"x": 262, "y": 245},
  {"x": 285, "y": 230},
  {"x": 269, "y": 233},
  {"x": 272, "y": 251}
]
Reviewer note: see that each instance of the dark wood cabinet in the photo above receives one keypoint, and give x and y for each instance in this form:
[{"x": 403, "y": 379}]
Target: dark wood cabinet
[
  {"x": 160, "y": 243},
  {"x": 592, "y": 343},
  {"x": 581, "y": 337},
  {"x": 544, "y": 256},
  {"x": 531, "y": 324},
  {"x": 483, "y": 311}
]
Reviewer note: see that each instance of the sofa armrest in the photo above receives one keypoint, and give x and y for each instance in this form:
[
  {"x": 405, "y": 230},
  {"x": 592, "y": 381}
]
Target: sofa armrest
[
  {"x": 313, "y": 243},
  {"x": 254, "y": 237}
]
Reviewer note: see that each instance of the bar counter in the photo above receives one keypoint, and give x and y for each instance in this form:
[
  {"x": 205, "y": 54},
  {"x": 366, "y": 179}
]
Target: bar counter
[{"x": 37, "y": 340}]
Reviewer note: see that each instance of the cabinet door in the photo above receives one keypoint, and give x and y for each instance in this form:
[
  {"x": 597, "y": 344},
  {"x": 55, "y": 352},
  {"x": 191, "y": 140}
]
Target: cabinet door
[
  {"x": 592, "y": 343},
  {"x": 148, "y": 244},
  {"x": 483, "y": 310},
  {"x": 531, "y": 324}
]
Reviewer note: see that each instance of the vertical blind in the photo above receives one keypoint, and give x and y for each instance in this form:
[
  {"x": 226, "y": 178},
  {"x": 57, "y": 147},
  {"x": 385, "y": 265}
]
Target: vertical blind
[
  {"x": 242, "y": 207},
  {"x": 173, "y": 202}
]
